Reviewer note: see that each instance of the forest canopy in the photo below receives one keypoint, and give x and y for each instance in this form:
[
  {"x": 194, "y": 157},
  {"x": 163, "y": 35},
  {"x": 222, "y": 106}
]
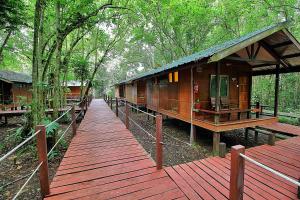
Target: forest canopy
[{"x": 115, "y": 40}]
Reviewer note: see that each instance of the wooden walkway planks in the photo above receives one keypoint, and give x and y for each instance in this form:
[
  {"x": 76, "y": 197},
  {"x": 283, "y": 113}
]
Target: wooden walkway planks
[
  {"x": 105, "y": 161},
  {"x": 282, "y": 128},
  {"x": 213, "y": 174}
]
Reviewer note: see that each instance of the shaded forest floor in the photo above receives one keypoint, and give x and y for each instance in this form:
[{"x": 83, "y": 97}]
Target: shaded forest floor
[
  {"x": 15, "y": 169},
  {"x": 176, "y": 135}
]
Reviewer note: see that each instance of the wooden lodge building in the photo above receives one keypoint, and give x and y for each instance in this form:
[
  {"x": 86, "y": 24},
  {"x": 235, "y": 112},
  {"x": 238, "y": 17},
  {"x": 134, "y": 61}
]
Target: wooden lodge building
[
  {"x": 14, "y": 87},
  {"x": 212, "y": 88},
  {"x": 74, "y": 88}
]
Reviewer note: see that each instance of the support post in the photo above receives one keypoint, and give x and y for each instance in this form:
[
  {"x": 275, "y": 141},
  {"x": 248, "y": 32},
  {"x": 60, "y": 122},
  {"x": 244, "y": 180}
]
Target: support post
[
  {"x": 271, "y": 139},
  {"x": 73, "y": 121},
  {"x": 42, "y": 155},
  {"x": 246, "y": 134},
  {"x": 111, "y": 103},
  {"x": 117, "y": 107},
  {"x": 217, "y": 98},
  {"x": 276, "y": 91},
  {"x": 256, "y": 136},
  {"x": 192, "y": 134},
  {"x": 216, "y": 143},
  {"x": 148, "y": 115},
  {"x": 237, "y": 170},
  {"x": 257, "y": 106},
  {"x": 222, "y": 149},
  {"x": 126, "y": 115},
  {"x": 159, "y": 148}
]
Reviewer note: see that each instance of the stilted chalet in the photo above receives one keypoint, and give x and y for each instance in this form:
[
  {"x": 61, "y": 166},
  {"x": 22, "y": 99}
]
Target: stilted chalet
[
  {"x": 212, "y": 88},
  {"x": 74, "y": 89},
  {"x": 15, "y": 87}
]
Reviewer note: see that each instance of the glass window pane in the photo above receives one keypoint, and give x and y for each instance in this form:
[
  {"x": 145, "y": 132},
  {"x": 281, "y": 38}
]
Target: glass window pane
[
  {"x": 170, "y": 78},
  {"x": 175, "y": 76},
  {"x": 224, "y": 86},
  {"x": 213, "y": 86}
]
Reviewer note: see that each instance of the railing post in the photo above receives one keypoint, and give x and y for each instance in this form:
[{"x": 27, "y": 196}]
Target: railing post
[
  {"x": 271, "y": 139},
  {"x": 159, "y": 148},
  {"x": 126, "y": 115},
  {"x": 117, "y": 107},
  {"x": 237, "y": 173},
  {"x": 257, "y": 106},
  {"x": 222, "y": 148},
  {"x": 42, "y": 155},
  {"x": 73, "y": 120},
  {"x": 86, "y": 104},
  {"x": 81, "y": 107},
  {"x": 111, "y": 102}
]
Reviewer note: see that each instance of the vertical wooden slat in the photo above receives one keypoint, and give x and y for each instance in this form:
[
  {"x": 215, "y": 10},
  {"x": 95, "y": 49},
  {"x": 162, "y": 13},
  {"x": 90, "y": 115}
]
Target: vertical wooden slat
[
  {"x": 42, "y": 155},
  {"x": 237, "y": 173},
  {"x": 117, "y": 107},
  {"x": 159, "y": 148},
  {"x": 276, "y": 91},
  {"x": 73, "y": 120},
  {"x": 126, "y": 115}
]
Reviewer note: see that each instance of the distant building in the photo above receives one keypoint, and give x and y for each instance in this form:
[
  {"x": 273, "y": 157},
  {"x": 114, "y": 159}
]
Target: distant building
[
  {"x": 15, "y": 87},
  {"x": 74, "y": 87}
]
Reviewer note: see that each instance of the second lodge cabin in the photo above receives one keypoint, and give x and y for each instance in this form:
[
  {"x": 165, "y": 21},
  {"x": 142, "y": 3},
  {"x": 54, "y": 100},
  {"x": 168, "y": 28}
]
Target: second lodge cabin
[{"x": 212, "y": 88}]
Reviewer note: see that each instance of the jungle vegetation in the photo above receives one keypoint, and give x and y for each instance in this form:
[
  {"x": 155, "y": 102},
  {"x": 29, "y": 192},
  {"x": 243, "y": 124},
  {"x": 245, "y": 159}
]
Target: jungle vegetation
[{"x": 101, "y": 42}]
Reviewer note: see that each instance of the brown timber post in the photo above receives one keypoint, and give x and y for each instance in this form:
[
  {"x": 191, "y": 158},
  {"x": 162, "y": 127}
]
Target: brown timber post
[
  {"x": 117, "y": 107},
  {"x": 276, "y": 91},
  {"x": 217, "y": 98},
  {"x": 126, "y": 115},
  {"x": 222, "y": 150},
  {"x": 111, "y": 102},
  {"x": 73, "y": 121},
  {"x": 257, "y": 106},
  {"x": 159, "y": 148},
  {"x": 42, "y": 155},
  {"x": 216, "y": 143},
  {"x": 237, "y": 173}
]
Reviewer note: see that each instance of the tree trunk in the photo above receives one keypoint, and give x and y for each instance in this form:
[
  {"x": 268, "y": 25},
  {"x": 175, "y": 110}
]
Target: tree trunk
[{"x": 37, "y": 107}]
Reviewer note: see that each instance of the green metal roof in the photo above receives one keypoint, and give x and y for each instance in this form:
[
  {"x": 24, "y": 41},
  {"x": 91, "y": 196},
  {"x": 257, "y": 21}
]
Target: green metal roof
[
  {"x": 11, "y": 76},
  {"x": 266, "y": 31}
]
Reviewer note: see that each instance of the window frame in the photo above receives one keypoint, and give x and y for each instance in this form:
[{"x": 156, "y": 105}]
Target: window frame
[{"x": 228, "y": 85}]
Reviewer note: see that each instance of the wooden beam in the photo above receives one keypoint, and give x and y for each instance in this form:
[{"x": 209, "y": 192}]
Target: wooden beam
[
  {"x": 257, "y": 51},
  {"x": 273, "y": 53},
  {"x": 277, "y": 78},
  {"x": 292, "y": 38},
  {"x": 282, "y": 44},
  {"x": 291, "y": 55},
  {"x": 234, "y": 48},
  {"x": 281, "y": 71},
  {"x": 251, "y": 60}
]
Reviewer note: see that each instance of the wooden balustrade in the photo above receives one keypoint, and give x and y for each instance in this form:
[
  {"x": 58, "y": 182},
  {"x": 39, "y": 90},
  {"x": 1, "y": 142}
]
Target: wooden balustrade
[{"x": 73, "y": 121}]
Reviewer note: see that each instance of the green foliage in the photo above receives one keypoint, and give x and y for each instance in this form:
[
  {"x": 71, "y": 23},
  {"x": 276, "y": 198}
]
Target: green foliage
[
  {"x": 52, "y": 127},
  {"x": 289, "y": 120},
  {"x": 81, "y": 68}
]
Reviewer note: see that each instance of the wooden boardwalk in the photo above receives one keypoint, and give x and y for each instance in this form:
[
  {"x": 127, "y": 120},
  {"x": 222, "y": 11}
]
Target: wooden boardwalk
[
  {"x": 209, "y": 178},
  {"x": 283, "y": 128},
  {"x": 104, "y": 161}
]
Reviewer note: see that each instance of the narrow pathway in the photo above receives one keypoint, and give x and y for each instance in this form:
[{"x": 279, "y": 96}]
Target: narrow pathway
[{"x": 105, "y": 161}]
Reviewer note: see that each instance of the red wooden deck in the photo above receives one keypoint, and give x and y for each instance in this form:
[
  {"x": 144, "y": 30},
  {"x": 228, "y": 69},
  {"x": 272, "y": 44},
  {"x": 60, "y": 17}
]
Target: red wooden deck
[
  {"x": 283, "y": 128},
  {"x": 104, "y": 161},
  {"x": 209, "y": 178}
]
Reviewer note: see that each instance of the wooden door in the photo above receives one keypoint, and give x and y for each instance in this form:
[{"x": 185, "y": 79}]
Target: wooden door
[{"x": 243, "y": 92}]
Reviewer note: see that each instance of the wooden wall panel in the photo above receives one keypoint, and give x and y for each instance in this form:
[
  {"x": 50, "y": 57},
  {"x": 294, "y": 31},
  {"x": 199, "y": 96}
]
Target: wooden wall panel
[{"x": 185, "y": 93}]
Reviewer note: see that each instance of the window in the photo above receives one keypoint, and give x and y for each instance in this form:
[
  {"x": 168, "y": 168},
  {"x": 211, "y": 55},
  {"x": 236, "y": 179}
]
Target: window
[
  {"x": 224, "y": 85},
  {"x": 175, "y": 76},
  {"x": 170, "y": 77}
]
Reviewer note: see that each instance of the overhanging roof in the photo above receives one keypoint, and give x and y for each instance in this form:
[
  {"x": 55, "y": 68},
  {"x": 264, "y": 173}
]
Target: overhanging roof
[
  {"x": 11, "y": 76},
  {"x": 276, "y": 40}
]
